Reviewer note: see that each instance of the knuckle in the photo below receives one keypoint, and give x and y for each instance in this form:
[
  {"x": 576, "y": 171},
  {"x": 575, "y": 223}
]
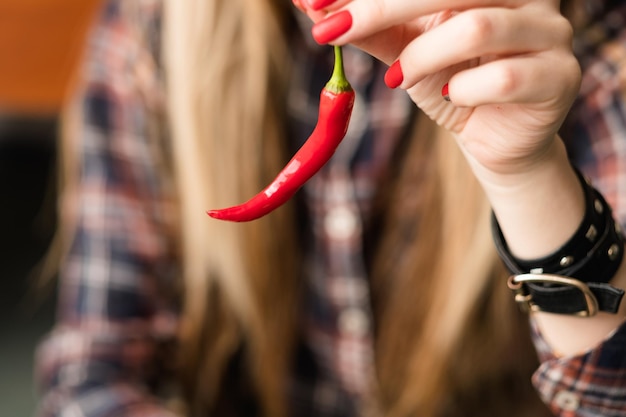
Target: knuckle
[
  {"x": 478, "y": 27},
  {"x": 564, "y": 31},
  {"x": 505, "y": 80},
  {"x": 573, "y": 72},
  {"x": 371, "y": 18},
  {"x": 379, "y": 9}
]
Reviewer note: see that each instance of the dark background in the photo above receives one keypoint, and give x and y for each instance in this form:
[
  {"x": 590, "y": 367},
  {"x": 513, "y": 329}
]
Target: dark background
[{"x": 27, "y": 224}]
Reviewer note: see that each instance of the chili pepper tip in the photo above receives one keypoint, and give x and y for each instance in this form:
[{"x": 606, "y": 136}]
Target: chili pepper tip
[{"x": 233, "y": 214}]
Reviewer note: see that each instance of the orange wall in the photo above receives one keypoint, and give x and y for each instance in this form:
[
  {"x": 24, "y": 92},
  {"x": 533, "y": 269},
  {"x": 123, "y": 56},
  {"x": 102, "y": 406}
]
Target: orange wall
[{"x": 40, "y": 42}]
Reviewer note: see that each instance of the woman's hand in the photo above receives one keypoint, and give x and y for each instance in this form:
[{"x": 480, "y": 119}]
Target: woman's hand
[
  {"x": 507, "y": 65},
  {"x": 511, "y": 79}
]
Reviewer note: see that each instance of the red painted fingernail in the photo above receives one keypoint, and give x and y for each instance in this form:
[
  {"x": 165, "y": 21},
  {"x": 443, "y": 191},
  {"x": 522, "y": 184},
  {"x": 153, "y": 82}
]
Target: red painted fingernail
[
  {"x": 332, "y": 27},
  {"x": 320, "y": 4},
  {"x": 444, "y": 92},
  {"x": 394, "y": 76}
]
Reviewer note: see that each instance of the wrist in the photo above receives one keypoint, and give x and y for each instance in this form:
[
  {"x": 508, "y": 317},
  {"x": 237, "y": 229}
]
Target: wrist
[
  {"x": 538, "y": 204},
  {"x": 506, "y": 179},
  {"x": 575, "y": 278}
]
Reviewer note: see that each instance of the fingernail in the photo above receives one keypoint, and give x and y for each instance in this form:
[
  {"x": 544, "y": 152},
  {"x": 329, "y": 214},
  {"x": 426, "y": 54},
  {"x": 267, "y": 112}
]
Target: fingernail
[
  {"x": 394, "y": 76},
  {"x": 444, "y": 92},
  {"x": 320, "y": 4},
  {"x": 332, "y": 27}
]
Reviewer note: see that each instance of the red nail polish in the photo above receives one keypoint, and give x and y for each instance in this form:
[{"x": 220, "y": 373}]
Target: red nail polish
[
  {"x": 332, "y": 27},
  {"x": 320, "y": 4},
  {"x": 444, "y": 92},
  {"x": 394, "y": 76}
]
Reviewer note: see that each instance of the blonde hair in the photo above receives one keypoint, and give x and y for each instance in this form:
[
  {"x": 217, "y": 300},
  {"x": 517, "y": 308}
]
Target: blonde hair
[{"x": 226, "y": 67}]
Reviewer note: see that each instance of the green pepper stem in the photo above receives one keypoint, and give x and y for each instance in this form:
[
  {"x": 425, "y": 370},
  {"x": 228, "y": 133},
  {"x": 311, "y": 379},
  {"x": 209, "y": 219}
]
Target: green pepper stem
[{"x": 338, "y": 82}]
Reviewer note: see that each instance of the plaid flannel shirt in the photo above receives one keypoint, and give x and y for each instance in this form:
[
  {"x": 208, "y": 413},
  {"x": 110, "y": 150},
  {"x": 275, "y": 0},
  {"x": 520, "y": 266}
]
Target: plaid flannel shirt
[{"x": 112, "y": 307}]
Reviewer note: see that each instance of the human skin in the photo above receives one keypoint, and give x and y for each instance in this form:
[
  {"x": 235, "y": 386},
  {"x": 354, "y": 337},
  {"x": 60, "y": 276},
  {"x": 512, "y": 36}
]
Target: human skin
[{"x": 511, "y": 78}]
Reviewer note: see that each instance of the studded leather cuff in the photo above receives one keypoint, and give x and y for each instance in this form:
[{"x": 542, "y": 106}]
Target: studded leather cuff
[{"x": 574, "y": 279}]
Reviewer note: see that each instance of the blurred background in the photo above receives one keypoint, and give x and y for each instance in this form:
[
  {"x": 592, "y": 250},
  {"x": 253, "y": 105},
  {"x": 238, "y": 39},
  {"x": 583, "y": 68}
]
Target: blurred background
[{"x": 40, "y": 46}]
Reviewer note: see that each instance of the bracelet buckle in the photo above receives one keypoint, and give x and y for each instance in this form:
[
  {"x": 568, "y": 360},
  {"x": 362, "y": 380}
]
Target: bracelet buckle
[{"x": 524, "y": 298}]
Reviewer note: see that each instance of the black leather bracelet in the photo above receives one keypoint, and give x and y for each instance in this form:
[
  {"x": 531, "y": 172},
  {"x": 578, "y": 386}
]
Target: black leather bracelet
[{"x": 574, "y": 279}]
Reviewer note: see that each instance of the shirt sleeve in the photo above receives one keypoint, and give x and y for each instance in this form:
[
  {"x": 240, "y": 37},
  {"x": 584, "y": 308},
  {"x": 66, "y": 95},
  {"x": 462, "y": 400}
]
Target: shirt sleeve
[
  {"x": 593, "y": 383},
  {"x": 116, "y": 310}
]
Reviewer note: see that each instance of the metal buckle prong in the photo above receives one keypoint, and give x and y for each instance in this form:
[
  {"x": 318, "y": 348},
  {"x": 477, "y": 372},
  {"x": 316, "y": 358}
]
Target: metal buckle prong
[{"x": 524, "y": 298}]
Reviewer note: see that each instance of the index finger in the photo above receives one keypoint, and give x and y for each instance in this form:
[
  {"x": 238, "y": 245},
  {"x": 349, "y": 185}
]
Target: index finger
[{"x": 372, "y": 16}]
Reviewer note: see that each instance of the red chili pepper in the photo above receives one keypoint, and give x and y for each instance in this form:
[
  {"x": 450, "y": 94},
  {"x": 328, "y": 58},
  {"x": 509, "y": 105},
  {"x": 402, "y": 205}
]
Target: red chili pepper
[{"x": 336, "y": 102}]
